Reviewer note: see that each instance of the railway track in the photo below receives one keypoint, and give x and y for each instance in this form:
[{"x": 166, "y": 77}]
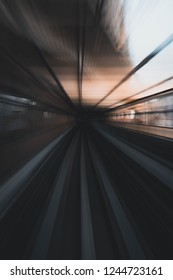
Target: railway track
[{"x": 86, "y": 196}]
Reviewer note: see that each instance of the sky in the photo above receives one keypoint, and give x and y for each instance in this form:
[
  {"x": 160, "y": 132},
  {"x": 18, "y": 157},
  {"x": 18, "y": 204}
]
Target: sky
[{"x": 147, "y": 24}]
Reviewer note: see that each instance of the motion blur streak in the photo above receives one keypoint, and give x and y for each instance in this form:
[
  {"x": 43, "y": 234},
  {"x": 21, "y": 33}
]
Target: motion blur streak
[{"x": 86, "y": 129}]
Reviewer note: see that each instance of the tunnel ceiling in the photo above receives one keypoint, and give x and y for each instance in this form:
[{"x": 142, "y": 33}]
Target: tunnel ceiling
[{"x": 67, "y": 53}]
